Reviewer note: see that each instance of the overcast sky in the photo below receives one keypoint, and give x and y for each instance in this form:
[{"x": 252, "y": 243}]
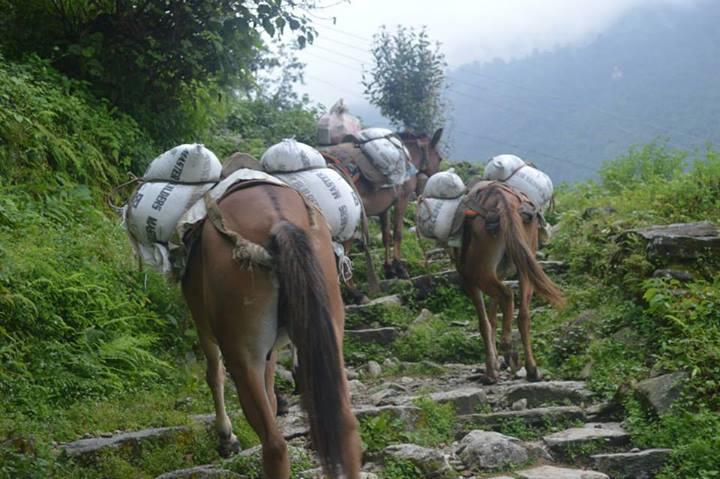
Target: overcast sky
[{"x": 469, "y": 30}]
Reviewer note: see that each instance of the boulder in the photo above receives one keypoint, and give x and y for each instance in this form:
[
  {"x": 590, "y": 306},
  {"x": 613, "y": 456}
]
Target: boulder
[
  {"x": 544, "y": 393},
  {"x": 373, "y": 369},
  {"x": 464, "y": 400},
  {"x": 662, "y": 391},
  {"x": 432, "y": 463},
  {"x": 491, "y": 450}
]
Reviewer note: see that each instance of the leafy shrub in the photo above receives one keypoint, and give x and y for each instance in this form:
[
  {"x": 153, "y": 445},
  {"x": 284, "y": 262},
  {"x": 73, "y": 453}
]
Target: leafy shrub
[{"x": 50, "y": 125}]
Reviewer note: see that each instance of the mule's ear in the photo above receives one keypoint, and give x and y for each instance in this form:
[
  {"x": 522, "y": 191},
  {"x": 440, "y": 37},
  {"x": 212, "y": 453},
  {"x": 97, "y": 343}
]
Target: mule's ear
[{"x": 436, "y": 137}]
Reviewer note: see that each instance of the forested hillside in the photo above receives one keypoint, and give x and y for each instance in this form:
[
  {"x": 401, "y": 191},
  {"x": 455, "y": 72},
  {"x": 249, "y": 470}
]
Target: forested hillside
[{"x": 652, "y": 75}]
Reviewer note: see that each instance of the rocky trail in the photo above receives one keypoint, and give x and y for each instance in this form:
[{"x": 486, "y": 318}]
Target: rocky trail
[{"x": 552, "y": 429}]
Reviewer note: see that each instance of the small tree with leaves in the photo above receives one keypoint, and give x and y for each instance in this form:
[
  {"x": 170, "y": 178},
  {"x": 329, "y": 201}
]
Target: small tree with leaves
[{"x": 407, "y": 79}]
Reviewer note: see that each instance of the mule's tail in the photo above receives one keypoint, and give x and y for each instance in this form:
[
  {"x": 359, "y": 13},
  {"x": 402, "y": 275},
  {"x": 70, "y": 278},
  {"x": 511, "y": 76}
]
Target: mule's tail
[
  {"x": 511, "y": 224},
  {"x": 303, "y": 303}
]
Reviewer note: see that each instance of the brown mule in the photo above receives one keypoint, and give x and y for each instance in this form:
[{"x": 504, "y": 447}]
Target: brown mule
[
  {"x": 379, "y": 201},
  {"x": 243, "y": 307},
  {"x": 500, "y": 236}
]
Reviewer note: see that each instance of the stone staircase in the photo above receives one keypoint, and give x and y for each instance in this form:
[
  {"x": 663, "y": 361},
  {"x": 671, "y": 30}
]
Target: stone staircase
[{"x": 566, "y": 433}]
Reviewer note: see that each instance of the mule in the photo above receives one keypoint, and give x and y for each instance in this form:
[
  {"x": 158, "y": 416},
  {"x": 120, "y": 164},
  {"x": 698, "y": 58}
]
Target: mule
[
  {"x": 499, "y": 238},
  {"x": 263, "y": 271},
  {"x": 379, "y": 201}
]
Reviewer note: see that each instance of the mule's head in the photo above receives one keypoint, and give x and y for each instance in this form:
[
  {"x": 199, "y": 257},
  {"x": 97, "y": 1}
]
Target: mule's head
[{"x": 424, "y": 154}]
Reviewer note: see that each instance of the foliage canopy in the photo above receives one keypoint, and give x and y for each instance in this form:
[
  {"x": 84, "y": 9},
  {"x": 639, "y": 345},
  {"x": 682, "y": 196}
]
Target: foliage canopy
[{"x": 406, "y": 82}]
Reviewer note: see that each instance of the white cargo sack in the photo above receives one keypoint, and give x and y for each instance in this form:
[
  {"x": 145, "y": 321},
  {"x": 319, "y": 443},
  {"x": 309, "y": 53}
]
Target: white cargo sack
[
  {"x": 185, "y": 164},
  {"x": 155, "y": 208},
  {"x": 335, "y": 198},
  {"x": 334, "y": 125},
  {"x": 434, "y": 217},
  {"x": 445, "y": 185},
  {"x": 516, "y": 173},
  {"x": 386, "y": 152},
  {"x": 290, "y": 155}
]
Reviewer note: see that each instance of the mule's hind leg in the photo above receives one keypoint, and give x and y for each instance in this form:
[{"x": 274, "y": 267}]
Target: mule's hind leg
[
  {"x": 486, "y": 331},
  {"x": 215, "y": 376},
  {"x": 526, "y": 292},
  {"x": 248, "y": 373},
  {"x": 387, "y": 240}
]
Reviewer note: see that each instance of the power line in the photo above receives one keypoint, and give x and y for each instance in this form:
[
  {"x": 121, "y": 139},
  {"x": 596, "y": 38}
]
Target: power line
[{"x": 546, "y": 94}]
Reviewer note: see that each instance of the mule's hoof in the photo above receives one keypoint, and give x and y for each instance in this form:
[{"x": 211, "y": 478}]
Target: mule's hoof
[
  {"x": 389, "y": 271},
  {"x": 229, "y": 448},
  {"x": 282, "y": 405},
  {"x": 484, "y": 379},
  {"x": 400, "y": 270},
  {"x": 533, "y": 374}
]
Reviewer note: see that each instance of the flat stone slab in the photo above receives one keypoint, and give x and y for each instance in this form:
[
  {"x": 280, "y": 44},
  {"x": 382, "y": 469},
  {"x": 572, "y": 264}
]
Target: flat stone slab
[
  {"x": 552, "y": 266},
  {"x": 207, "y": 471},
  {"x": 681, "y": 241},
  {"x": 600, "y": 435},
  {"x": 382, "y": 336},
  {"x": 409, "y": 415},
  {"x": 552, "y": 472},
  {"x": 89, "y": 447},
  {"x": 393, "y": 299},
  {"x": 632, "y": 465},
  {"x": 530, "y": 417},
  {"x": 543, "y": 393},
  {"x": 465, "y": 400}
]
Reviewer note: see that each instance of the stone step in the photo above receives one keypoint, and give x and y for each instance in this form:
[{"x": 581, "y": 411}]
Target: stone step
[
  {"x": 132, "y": 442},
  {"x": 536, "y": 417},
  {"x": 542, "y": 393},
  {"x": 553, "y": 472},
  {"x": 393, "y": 299},
  {"x": 382, "y": 336},
  {"x": 431, "y": 462},
  {"x": 632, "y": 465},
  {"x": 465, "y": 400},
  {"x": 208, "y": 471},
  {"x": 581, "y": 442}
]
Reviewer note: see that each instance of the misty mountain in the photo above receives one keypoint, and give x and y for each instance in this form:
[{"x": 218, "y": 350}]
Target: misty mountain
[{"x": 654, "y": 74}]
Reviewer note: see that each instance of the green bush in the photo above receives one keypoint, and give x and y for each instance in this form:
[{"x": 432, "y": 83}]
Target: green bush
[{"x": 50, "y": 125}]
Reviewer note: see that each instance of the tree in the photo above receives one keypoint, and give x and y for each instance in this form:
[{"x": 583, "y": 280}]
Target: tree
[
  {"x": 407, "y": 79},
  {"x": 166, "y": 62}
]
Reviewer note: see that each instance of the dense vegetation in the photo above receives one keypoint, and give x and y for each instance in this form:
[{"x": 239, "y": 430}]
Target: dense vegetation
[
  {"x": 91, "y": 344},
  {"x": 634, "y": 324}
]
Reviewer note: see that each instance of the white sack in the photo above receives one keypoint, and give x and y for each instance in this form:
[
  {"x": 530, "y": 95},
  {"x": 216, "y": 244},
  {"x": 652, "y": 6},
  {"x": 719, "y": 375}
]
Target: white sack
[
  {"x": 526, "y": 179},
  {"x": 445, "y": 185},
  {"x": 185, "y": 163},
  {"x": 290, "y": 155},
  {"x": 386, "y": 152},
  {"x": 335, "y": 198},
  {"x": 434, "y": 217},
  {"x": 155, "y": 208},
  {"x": 334, "y": 125}
]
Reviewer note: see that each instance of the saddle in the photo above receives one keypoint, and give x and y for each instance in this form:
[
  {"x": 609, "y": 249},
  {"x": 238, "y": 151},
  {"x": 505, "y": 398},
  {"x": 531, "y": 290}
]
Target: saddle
[
  {"x": 472, "y": 206},
  {"x": 350, "y": 159}
]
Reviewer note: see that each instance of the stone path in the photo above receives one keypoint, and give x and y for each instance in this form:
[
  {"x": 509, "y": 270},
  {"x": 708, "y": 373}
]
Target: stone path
[{"x": 581, "y": 445}]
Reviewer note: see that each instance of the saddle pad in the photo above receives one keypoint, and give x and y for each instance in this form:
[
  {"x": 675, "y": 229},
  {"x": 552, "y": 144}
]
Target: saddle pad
[{"x": 351, "y": 157}]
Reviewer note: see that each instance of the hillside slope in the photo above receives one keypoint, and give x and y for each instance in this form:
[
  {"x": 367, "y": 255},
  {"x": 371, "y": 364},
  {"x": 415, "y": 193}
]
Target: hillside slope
[{"x": 653, "y": 74}]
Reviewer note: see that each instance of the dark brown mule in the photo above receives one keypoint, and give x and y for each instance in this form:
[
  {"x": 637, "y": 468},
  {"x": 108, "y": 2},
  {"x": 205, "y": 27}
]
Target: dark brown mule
[
  {"x": 379, "y": 201},
  {"x": 500, "y": 236},
  {"x": 243, "y": 305}
]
